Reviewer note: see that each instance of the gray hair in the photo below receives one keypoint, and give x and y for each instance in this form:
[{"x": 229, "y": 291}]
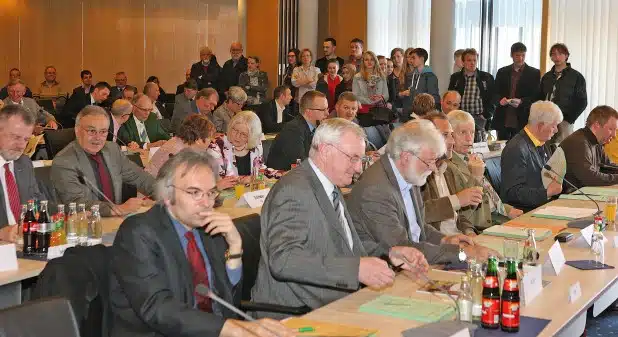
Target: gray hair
[
  {"x": 237, "y": 95},
  {"x": 150, "y": 86},
  {"x": 16, "y": 82},
  {"x": 138, "y": 97},
  {"x": 458, "y": 117},
  {"x": 121, "y": 107},
  {"x": 10, "y": 110},
  {"x": 90, "y": 110},
  {"x": 187, "y": 160},
  {"x": 544, "y": 112},
  {"x": 451, "y": 92},
  {"x": 413, "y": 136},
  {"x": 331, "y": 130},
  {"x": 253, "y": 122}
]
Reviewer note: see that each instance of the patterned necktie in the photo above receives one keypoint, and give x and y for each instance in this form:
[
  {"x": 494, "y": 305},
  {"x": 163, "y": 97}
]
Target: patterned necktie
[
  {"x": 337, "y": 205},
  {"x": 143, "y": 135},
  {"x": 199, "y": 271},
  {"x": 104, "y": 177},
  {"x": 13, "y": 191}
]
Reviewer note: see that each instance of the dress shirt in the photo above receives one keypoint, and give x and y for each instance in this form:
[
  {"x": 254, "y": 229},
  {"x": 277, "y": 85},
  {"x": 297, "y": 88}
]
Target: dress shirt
[
  {"x": 448, "y": 226},
  {"x": 311, "y": 127},
  {"x": 116, "y": 128},
  {"x": 92, "y": 101},
  {"x": 12, "y": 218},
  {"x": 233, "y": 275},
  {"x": 280, "y": 110},
  {"x": 329, "y": 187},
  {"x": 141, "y": 128},
  {"x": 156, "y": 111},
  {"x": 404, "y": 189}
]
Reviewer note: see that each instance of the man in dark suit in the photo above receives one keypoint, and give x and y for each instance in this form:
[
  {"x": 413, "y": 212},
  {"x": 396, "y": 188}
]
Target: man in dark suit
[
  {"x": 232, "y": 68},
  {"x": 294, "y": 140},
  {"x": 18, "y": 184},
  {"x": 276, "y": 113},
  {"x": 206, "y": 72},
  {"x": 525, "y": 155},
  {"x": 142, "y": 128},
  {"x": 180, "y": 243},
  {"x": 86, "y": 87},
  {"x": 311, "y": 253},
  {"x": 77, "y": 102},
  {"x": 517, "y": 87},
  {"x": 121, "y": 83}
]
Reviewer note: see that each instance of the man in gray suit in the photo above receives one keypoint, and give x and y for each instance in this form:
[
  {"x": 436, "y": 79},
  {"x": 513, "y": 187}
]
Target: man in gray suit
[
  {"x": 204, "y": 103},
  {"x": 311, "y": 254},
  {"x": 18, "y": 184},
  {"x": 386, "y": 203},
  {"x": 90, "y": 159},
  {"x": 16, "y": 91}
]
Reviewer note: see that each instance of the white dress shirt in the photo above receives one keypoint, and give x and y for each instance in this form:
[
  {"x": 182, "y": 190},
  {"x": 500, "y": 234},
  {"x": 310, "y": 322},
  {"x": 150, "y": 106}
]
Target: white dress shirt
[
  {"x": 279, "y": 112},
  {"x": 448, "y": 226},
  {"x": 405, "y": 190},
  {"x": 7, "y": 205},
  {"x": 329, "y": 188},
  {"x": 141, "y": 128},
  {"x": 156, "y": 111}
]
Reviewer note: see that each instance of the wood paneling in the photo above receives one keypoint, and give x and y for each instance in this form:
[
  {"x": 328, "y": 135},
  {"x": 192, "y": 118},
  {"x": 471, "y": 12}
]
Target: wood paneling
[
  {"x": 347, "y": 19},
  {"x": 544, "y": 36},
  {"x": 262, "y": 35},
  {"x": 9, "y": 53}
]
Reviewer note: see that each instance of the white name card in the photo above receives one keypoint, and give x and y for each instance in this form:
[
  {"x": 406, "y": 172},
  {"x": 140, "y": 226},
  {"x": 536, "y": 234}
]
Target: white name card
[
  {"x": 253, "y": 199},
  {"x": 152, "y": 151},
  {"x": 615, "y": 241},
  {"x": 8, "y": 257},
  {"x": 555, "y": 260},
  {"x": 584, "y": 240},
  {"x": 463, "y": 333},
  {"x": 532, "y": 282},
  {"x": 575, "y": 292},
  {"x": 481, "y": 147},
  {"x": 57, "y": 251}
]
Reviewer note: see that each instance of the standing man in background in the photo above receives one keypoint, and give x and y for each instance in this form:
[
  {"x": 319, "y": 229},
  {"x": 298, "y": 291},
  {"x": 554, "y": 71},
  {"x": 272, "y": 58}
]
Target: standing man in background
[
  {"x": 330, "y": 45},
  {"x": 232, "y": 68}
]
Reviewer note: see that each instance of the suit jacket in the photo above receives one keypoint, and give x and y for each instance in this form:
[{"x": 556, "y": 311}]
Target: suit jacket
[
  {"x": 293, "y": 142},
  {"x": 162, "y": 109},
  {"x": 80, "y": 90},
  {"x": 26, "y": 185},
  {"x": 182, "y": 108},
  {"x": 73, "y": 106},
  {"x": 128, "y": 131},
  {"x": 115, "y": 93},
  {"x": 570, "y": 94},
  {"x": 161, "y": 304},
  {"x": 484, "y": 81},
  {"x": 268, "y": 115},
  {"x": 67, "y": 163},
  {"x": 438, "y": 208},
  {"x": 42, "y": 117},
  {"x": 521, "y": 165},
  {"x": 209, "y": 78},
  {"x": 378, "y": 212},
  {"x": 479, "y": 215},
  {"x": 230, "y": 74},
  {"x": 305, "y": 258},
  {"x": 527, "y": 90},
  {"x": 585, "y": 159}
]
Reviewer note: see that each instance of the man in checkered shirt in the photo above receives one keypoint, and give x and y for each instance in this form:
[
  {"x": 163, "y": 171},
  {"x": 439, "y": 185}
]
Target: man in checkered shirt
[{"x": 476, "y": 89}]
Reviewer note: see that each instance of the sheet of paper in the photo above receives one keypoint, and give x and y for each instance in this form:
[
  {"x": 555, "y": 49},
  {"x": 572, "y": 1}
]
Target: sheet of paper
[
  {"x": 575, "y": 292},
  {"x": 604, "y": 191},
  {"x": 556, "y": 257},
  {"x": 532, "y": 282},
  {"x": 8, "y": 257},
  {"x": 601, "y": 198},
  {"x": 325, "y": 329},
  {"x": 558, "y": 164},
  {"x": 516, "y": 232},
  {"x": 559, "y": 212},
  {"x": 253, "y": 199},
  {"x": 409, "y": 308}
]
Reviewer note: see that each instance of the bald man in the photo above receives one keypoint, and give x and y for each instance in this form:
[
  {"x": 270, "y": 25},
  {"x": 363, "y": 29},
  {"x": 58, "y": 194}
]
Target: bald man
[
  {"x": 207, "y": 71},
  {"x": 233, "y": 67}
]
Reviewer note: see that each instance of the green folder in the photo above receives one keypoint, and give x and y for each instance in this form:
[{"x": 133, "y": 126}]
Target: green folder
[
  {"x": 604, "y": 191},
  {"x": 601, "y": 198},
  {"x": 409, "y": 308},
  {"x": 555, "y": 217}
]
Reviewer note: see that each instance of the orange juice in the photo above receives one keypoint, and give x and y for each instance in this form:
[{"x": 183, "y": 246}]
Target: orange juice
[{"x": 239, "y": 190}]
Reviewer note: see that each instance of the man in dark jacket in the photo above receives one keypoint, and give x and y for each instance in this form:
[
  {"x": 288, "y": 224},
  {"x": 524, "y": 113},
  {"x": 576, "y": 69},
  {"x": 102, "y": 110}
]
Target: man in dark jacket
[
  {"x": 421, "y": 80},
  {"x": 232, "y": 68},
  {"x": 587, "y": 163},
  {"x": 525, "y": 155},
  {"x": 477, "y": 92},
  {"x": 206, "y": 72},
  {"x": 566, "y": 87},
  {"x": 517, "y": 87},
  {"x": 276, "y": 113},
  {"x": 330, "y": 45}
]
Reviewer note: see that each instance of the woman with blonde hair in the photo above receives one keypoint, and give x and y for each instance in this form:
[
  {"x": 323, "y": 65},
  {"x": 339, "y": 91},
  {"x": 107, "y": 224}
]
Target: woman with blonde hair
[
  {"x": 369, "y": 84},
  {"x": 305, "y": 77}
]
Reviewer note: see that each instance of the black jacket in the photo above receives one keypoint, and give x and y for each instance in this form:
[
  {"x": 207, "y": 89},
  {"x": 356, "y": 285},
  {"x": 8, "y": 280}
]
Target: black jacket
[
  {"x": 151, "y": 286},
  {"x": 485, "y": 83},
  {"x": 293, "y": 142},
  {"x": 570, "y": 95},
  {"x": 527, "y": 90},
  {"x": 230, "y": 74},
  {"x": 74, "y": 105},
  {"x": 267, "y": 112},
  {"x": 208, "y": 79}
]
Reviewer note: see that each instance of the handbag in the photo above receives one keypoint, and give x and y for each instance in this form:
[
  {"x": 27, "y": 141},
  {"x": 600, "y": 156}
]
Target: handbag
[{"x": 375, "y": 114}]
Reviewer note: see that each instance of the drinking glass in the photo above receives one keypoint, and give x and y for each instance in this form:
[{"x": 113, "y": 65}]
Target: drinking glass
[
  {"x": 510, "y": 249},
  {"x": 610, "y": 210},
  {"x": 596, "y": 246}
]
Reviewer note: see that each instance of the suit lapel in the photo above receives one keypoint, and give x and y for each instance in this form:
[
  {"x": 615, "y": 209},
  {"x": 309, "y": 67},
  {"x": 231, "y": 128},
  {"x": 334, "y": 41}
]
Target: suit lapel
[
  {"x": 86, "y": 166},
  {"x": 132, "y": 128},
  {"x": 417, "y": 200},
  {"x": 217, "y": 263}
]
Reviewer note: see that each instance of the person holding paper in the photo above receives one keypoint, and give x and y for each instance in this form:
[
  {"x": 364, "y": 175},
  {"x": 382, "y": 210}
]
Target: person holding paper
[
  {"x": 586, "y": 161},
  {"x": 311, "y": 253},
  {"x": 17, "y": 177},
  {"x": 525, "y": 155},
  {"x": 469, "y": 171},
  {"x": 142, "y": 129}
]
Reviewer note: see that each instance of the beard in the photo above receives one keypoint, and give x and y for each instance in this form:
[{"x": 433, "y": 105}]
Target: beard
[
  {"x": 417, "y": 178},
  {"x": 10, "y": 155}
]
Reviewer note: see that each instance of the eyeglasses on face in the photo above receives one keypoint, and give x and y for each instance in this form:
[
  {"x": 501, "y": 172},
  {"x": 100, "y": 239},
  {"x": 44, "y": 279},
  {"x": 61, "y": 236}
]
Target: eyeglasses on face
[
  {"x": 197, "y": 194},
  {"x": 94, "y": 132},
  {"x": 353, "y": 159}
]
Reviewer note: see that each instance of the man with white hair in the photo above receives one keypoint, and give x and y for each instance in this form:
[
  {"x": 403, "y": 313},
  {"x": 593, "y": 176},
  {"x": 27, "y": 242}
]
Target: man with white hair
[
  {"x": 525, "y": 155},
  {"x": 470, "y": 172},
  {"x": 311, "y": 253},
  {"x": 232, "y": 68},
  {"x": 386, "y": 203},
  {"x": 142, "y": 128},
  {"x": 236, "y": 98},
  {"x": 17, "y": 91},
  {"x": 206, "y": 72}
]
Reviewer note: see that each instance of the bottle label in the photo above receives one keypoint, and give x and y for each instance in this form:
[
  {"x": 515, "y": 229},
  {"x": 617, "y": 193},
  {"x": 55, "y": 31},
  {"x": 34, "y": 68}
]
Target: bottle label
[
  {"x": 510, "y": 314},
  {"x": 510, "y": 285},
  {"x": 490, "y": 313},
  {"x": 491, "y": 282}
]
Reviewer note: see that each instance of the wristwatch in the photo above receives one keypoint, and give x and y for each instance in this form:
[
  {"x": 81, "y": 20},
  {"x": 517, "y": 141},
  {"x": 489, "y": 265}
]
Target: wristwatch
[{"x": 229, "y": 256}]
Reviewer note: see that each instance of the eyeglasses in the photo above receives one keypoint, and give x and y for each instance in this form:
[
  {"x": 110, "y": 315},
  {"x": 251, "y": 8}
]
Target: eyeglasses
[
  {"x": 197, "y": 194},
  {"x": 325, "y": 110},
  {"x": 143, "y": 109},
  {"x": 243, "y": 135},
  {"x": 353, "y": 159},
  {"x": 95, "y": 132},
  {"x": 430, "y": 165}
]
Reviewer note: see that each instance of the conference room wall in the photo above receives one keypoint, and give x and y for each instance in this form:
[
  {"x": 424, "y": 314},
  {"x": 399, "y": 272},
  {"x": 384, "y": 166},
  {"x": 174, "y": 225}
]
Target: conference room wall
[{"x": 140, "y": 37}]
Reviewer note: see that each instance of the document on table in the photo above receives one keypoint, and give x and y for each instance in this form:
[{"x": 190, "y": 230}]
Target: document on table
[
  {"x": 409, "y": 308},
  {"x": 563, "y": 213},
  {"x": 601, "y": 198},
  {"x": 604, "y": 191}
]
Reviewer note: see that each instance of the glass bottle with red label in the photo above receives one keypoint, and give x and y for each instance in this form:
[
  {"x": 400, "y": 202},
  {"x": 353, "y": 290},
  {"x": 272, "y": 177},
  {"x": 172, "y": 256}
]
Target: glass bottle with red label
[
  {"x": 509, "y": 319},
  {"x": 490, "y": 314},
  {"x": 29, "y": 229}
]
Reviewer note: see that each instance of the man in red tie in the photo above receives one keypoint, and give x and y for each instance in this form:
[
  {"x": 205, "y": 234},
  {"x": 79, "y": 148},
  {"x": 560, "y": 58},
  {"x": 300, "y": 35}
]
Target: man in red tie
[
  {"x": 159, "y": 258},
  {"x": 16, "y": 176}
]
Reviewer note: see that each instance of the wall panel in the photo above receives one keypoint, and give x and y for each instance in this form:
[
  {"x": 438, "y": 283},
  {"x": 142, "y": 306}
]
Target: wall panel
[{"x": 9, "y": 53}]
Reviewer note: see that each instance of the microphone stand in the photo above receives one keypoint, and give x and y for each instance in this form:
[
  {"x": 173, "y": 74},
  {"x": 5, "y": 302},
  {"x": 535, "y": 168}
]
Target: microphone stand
[{"x": 82, "y": 179}]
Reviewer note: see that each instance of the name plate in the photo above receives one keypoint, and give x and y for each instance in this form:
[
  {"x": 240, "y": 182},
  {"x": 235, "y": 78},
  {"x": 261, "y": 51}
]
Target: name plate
[
  {"x": 57, "y": 251},
  {"x": 555, "y": 260},
  {"x": 575, "y": 292},
  {"x": 481, "y": 147},
  {"x": 532, "y": 282},
  {"x": 253, "y": 199},
  {"x": 8, "y": 257}
]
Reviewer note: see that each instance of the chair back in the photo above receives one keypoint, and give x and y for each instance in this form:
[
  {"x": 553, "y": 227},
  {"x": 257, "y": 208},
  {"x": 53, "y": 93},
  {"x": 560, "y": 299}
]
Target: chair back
[
  {"x": 43, "y": 181},
  {"x": 493, "y": 171},
  {"x": 48, "y": 317},
  {"x": 374, "y": 137},
  {"x": 266, "y": 145},
  {"x": 249, "y": 229},
  {"x": 56, "y": 140}
]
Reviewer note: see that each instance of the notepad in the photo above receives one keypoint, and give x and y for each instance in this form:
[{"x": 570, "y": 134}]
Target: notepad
[
  {"x": 409, "y": 308},
  {"x": 563, "y": 213},
  {"x": 604, "y": 191},
  {"x": 602, "y": 198},
  {"x": 516, "y": 232},
  {"x": 325, "y": 329}
]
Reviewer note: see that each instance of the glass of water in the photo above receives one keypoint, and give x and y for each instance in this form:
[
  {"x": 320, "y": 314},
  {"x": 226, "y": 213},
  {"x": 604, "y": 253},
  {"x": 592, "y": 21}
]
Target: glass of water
[{"x": 596, "y": 246}]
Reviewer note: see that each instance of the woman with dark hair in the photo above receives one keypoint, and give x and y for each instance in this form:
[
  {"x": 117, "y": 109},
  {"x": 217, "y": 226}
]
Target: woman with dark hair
[
  {"x": 293, "y": 62},
  {"x": 393, "y": 78},
  {"x": 155, "y": 79}
]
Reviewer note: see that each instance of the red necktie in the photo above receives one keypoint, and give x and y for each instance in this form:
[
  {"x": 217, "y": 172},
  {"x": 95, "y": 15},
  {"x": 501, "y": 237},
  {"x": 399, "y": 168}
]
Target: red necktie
[
  {"x": 199, "y": 271},
  {"x": 104, "y": 178},
  {"x": 13, "y": 191}
]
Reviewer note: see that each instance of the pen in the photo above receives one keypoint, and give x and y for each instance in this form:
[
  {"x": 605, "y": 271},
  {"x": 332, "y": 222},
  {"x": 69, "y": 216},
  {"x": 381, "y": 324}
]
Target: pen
[{"x": 306, "y": 329}]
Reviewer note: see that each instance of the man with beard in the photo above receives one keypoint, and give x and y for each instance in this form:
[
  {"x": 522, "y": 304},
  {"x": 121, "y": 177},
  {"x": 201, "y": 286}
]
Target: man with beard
[
  {"x": 386, "y": 204},
  {"x": 89, "y": 159},
  {"x": 18, "y": 182}
]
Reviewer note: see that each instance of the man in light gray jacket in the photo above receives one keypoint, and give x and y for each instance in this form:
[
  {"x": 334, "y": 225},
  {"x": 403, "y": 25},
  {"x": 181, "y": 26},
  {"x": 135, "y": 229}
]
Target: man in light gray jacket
[{"x": 16, "y": 91}]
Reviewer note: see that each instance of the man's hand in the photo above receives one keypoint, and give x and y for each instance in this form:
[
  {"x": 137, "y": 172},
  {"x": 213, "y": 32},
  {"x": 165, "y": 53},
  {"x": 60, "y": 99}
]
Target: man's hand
[
  {"x": 130, "y": 206},
  {"x": 416, "y": 261},
  {"x": 9, "y": 233},
  {"x": 515, "y": 102},
  {"x": 227, "y": 182},
  {"x": 52, "y": 125},
  {"x": 457, "y": 239},
  {"x": 404, "y": 93},
  {"x": 261, "y": 328},
  {"x": 38, "y": 129},
  {"x": 553, "y": 188},
  {"x": 476, "y": 165},
  {"x": 480, "y": 253},
  {"x": 471, "y": 196},
  {"x": 133, "y": 146},
  {"x": 221, "y": 223},
  {"x": 375, "y": 273},
  {"x": 504, "y": 101},
  {"x": 514, "y": 213}
]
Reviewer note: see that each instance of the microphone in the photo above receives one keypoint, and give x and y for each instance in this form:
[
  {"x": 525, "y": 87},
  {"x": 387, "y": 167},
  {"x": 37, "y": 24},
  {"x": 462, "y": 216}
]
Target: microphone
[
  {"x": 549, "y": 168},
  {"x": 93, "y": 187}
]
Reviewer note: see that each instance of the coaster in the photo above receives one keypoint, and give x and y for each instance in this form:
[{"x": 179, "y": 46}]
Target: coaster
[
  {"x": 20, "y": 255},
  {"x": 588, "y": 265}
]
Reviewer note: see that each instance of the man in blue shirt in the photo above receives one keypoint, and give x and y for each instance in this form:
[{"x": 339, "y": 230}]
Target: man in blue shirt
[{"x": 160, "y": 257}]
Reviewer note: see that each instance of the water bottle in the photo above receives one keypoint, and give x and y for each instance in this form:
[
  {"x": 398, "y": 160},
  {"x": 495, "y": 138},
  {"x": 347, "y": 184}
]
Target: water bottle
[
  {"x": 95, "y": 233},
  {"x": 82, "y": 225},
  {"x": 72, "y": 236}
]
